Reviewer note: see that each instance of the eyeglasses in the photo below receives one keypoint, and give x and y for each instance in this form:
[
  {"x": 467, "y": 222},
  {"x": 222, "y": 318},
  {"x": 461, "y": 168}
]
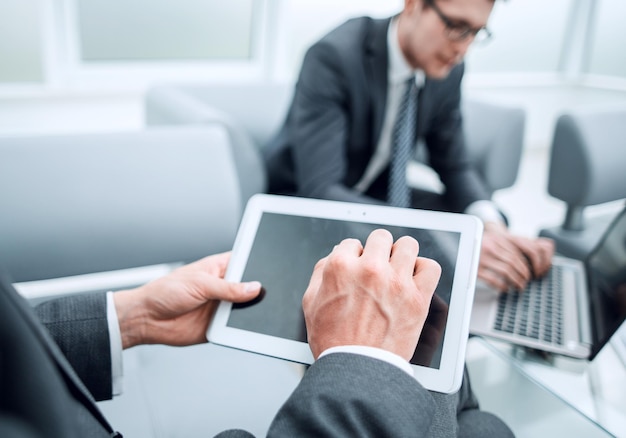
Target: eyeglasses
[{"x": 458, "y": 31}]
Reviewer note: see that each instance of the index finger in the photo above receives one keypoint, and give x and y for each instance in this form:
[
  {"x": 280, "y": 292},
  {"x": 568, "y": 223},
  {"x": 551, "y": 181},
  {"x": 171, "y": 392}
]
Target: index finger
[
  {"x": 347, "y": 247},
  {"x": 403, "y": 255},
  {"x": 215, "y": 264},
  {"x": 378, "y": 243},
  {"x": 427, "y": 274}
]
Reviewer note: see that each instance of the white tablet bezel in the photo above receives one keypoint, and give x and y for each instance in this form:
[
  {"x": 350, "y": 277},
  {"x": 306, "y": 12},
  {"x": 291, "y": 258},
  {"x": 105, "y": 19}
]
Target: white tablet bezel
[{"x": 447, "y": 378}]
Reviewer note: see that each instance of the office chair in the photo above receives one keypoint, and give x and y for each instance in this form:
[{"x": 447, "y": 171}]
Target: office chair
[
  {"x": 83, "y": 203},
  {"x": 88, "y": 203},
  {"x": 255, "y": 112},
  {"x": 587, "y": 168},
  {"x": 494, "y": 135}
]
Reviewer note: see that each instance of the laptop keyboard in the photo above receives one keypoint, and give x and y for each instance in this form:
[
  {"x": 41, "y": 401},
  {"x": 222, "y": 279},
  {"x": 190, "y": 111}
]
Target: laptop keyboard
[{"x": 536, "y": 312}]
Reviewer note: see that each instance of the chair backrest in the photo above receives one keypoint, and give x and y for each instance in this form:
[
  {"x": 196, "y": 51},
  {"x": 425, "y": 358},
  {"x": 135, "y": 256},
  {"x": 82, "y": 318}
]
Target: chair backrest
[
  {"x": 588, "y": 160},
  {"x": 494, "y": 137},
  {"x": 258, "y": 108},
  {"x": 83, "y": 203},
  {"x": 494, "y": 133}
]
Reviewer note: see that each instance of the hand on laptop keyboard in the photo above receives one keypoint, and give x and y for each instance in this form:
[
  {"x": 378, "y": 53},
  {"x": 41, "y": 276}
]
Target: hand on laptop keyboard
[{"x": 508, "y": 261}]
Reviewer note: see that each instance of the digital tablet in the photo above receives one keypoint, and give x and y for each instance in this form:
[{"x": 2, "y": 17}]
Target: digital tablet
[{"x": 281, "y": 238}]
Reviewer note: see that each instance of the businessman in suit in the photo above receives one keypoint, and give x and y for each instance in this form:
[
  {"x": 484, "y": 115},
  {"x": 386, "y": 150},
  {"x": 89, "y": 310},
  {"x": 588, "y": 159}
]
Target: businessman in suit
[
  {"x": 360, "y": 384},
  {"x": 51, "y": 377},
  {"x": 339, "y": 138}
]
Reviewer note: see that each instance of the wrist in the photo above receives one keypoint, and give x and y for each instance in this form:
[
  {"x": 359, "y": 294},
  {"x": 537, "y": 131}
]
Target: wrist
[{"x": 130, "y": 318}]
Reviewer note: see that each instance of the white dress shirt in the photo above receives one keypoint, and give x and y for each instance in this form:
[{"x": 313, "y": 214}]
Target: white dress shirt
[
  {"x": 115, "y": 339},
  {"x": 398, "y": 73}
]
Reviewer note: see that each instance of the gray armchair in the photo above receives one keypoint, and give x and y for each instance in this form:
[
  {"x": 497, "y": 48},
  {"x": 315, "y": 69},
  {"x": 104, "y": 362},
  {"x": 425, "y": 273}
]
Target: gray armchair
[
  {"x": 495, "y": 140},
  {"x": 587, "y": 168},
  {"x": 88, "y": 203},
  {"x": 255, "y": 112},
  {"x": 494, "y": 134},
  {"x": 85, "y": 203},
  {"x": 252, "y": 111}
]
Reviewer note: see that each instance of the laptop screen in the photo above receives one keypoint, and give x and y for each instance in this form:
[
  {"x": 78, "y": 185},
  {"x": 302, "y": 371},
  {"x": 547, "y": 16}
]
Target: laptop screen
[{"x": 606, "y": 270}]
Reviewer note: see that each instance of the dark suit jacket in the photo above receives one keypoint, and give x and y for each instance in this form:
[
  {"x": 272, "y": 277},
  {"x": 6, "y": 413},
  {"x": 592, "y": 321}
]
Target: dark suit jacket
[
  {"x": 336, "y": 117},
  {"x": 348, "y": 395},
  {"x": 408, "y": 409},
  {"x": 40, "y": 393}
]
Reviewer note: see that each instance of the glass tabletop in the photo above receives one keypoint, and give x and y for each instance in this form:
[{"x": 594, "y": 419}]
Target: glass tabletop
[
  {"x": 539, "y": 395},
  {"x": 527, "y": 391}
]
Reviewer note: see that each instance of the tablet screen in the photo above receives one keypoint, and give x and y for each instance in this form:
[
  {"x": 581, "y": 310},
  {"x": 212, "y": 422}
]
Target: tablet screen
[{"x": 282, "y": 257}]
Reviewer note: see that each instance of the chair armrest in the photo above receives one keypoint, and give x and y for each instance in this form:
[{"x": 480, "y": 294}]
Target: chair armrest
[
  {"x": 494, "y": 136},
  {"x": 173, "y": 106}
]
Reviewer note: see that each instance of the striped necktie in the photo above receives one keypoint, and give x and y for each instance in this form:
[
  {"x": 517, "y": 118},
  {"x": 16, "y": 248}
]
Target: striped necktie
[{"x": 403, "y": 140}]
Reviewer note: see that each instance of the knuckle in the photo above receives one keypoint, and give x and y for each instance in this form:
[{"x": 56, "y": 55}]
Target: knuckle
[
  {"x": 337, "y": 263},
  {"x": 371, "y": 268},
  {"x": 306, "y": 299}
]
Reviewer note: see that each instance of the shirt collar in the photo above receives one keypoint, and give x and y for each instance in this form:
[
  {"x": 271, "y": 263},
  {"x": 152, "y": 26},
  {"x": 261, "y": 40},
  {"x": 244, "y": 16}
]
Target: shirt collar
[{"x": 399, "y": 68}]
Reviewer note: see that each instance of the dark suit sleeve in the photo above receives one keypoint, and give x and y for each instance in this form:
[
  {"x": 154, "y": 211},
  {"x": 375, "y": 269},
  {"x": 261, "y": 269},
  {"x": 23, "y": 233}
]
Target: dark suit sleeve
[
  {"x": 318, "y": 127},
  {"x": 78, "y": 324},
  {"x": 445, "y": 141},
  {"x": 352, "y": 395}
]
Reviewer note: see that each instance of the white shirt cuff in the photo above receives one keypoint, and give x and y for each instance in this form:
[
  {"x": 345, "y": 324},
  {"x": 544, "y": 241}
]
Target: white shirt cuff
[
  {"x": 376, "y": 353},
  {"x": 115, "y": 339},
  {"x": 485, "y": 211}
]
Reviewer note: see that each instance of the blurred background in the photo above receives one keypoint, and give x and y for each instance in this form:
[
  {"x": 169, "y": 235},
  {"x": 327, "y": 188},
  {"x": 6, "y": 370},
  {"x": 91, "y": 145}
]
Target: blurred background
[
  {"x": 91, "y": 60},
  {"x": 84, "y": 65}
]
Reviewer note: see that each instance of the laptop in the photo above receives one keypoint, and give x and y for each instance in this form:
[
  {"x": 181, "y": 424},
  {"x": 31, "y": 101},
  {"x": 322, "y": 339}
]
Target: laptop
[{"x": 574, "y": 310}]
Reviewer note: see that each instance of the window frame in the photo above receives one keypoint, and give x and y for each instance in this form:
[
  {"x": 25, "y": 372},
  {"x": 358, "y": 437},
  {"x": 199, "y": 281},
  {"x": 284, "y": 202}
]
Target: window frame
[{"x": 67, "y": 66}]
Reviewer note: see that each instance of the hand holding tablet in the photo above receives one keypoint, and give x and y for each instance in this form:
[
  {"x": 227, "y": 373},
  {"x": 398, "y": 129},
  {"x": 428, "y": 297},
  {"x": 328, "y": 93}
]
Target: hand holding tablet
[
  {"x": 376, "y": 296},
  {"x": 282, "y": 238}
]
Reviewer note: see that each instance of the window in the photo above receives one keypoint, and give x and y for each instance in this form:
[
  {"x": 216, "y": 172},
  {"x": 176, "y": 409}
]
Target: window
[
  {"x": 133, "y": 43},
  {"x": 608, "y": 39},
  {"x": 120, "y": 44},
  {"x": 302, "y": 22},
  {"x": 163, "y": 30},
  {"x": 20, "y": 42},
  {"x": 528, "y": 37}
]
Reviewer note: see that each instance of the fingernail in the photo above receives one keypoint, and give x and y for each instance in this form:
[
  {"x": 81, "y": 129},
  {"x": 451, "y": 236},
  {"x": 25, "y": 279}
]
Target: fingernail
[{"x": 252, "y": 286}]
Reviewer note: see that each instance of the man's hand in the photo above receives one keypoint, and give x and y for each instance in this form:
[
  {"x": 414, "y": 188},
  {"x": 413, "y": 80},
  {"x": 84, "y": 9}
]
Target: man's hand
[
  {"x": 509, "y": 262},
  {"x": 376, "y": 296},
  {"x": 177, "y": 309}
]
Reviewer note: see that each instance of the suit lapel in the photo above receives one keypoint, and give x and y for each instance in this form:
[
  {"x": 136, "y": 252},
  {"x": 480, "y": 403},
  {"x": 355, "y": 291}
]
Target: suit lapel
[{"x": 376, "y": 64}]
